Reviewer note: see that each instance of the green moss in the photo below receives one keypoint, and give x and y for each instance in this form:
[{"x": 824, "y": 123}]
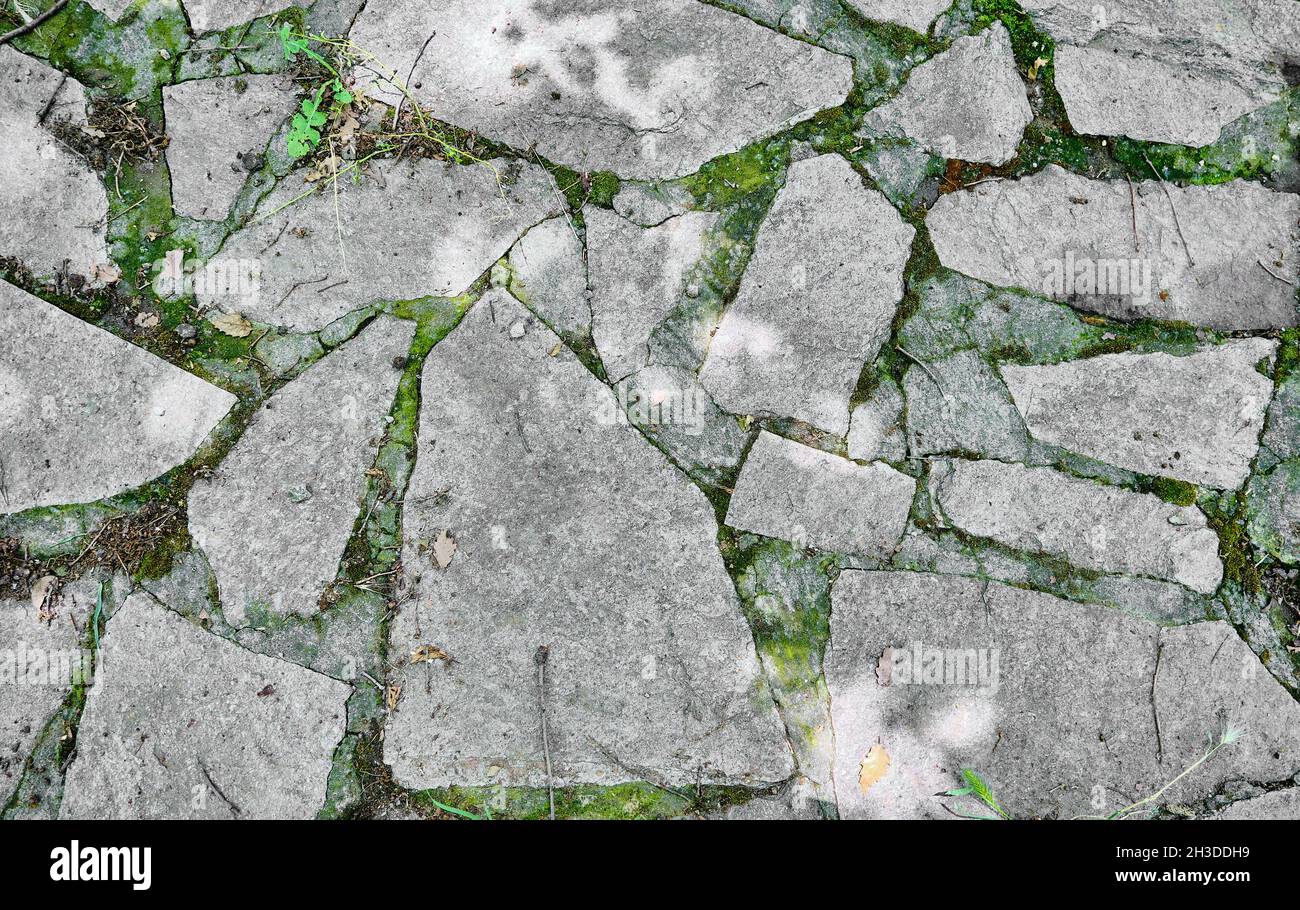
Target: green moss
[
  {"x": 1228, "y": 516},
  {"x": 1177, "y": 492},
  {"x": 729, "y": 179}
]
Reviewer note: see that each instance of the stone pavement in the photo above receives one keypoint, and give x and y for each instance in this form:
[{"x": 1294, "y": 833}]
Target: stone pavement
[{"x": 763, "y": 409}]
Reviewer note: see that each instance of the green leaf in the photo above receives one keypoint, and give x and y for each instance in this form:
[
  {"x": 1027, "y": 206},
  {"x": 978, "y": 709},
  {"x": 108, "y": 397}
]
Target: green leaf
[
  {"x": 982, "y": 790},
  {"x": 963, "y": 791}
]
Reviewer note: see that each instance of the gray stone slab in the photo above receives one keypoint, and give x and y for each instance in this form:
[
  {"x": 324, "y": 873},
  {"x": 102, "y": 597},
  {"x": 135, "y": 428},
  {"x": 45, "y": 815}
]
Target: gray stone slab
[
  {"x": 1066, "y": 709},
  {"x": 967, "y": 103},
  {"x": 1073, "y": 239},
  {"x": 638, "y": 278},
  {"x": 575, "y": 535},
  {"x": 212, "y": 125},
  {"x": 113, "y": 9},
  {"x": 649, "y": 204},
  {"x": 1094, "y": 526},
  {"x": 1280, "y": 805},
  {"x": 876, "y": 428},
  {"x": 1195, "y": 418},
  {"x": 1273, "y": 501},
  {"x": 816, "y": 301},
  {"x": 645, "y": 90},
  {"x": 958, "y": 404},
  {"x": 915, "y": 14},
  {"x": 819, "y": 500},
  {"x": 1164, "y": 71},
  {"x": 276, "y": 514},
  {"x": 183, "y": 724},
  {"x": 409, "y": 229},
  {"x": 550, "y": 275},
  {"x": 85, "y": 415},
  {"x": 211, "y": 15},
  {"x": 39, "y": 661},
  {"x": 55, "y": 206}
]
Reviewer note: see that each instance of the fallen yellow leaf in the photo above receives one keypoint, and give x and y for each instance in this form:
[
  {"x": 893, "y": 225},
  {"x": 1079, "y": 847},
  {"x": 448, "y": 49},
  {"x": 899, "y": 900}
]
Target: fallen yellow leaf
[
  {"x": 232, "y": 324},
  {"x": 444, "y": 549},
  {"x": 873, "y": 768}
]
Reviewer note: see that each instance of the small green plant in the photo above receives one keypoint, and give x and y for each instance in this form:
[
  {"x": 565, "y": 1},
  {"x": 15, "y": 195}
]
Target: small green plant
[
  {"x": 461, "y": 813},
  {"x": 975, "y": 786},
  {"x": 305, "y": 128}
]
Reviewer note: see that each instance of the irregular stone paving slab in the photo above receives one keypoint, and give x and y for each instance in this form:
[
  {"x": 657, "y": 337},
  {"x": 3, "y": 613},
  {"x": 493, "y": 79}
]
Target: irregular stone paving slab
[
  {"x": 443, "y": 225},
  {"x": 816, "y": 499},
  {"x": 1168, "y": 72},
  {"x": 1280, "y": 805},
  {"x": 551, "y": 275},
  {"x": 915, "y": 14},
  {"x": 183, "y": 724},
  {"x": 212, "y": 15},
  {"x": 1072, "y": 239},
  {"x": 816, "y": 301},
  {"x": 574, "y": 535},
  {"x": 649, "y": 204},
  {"x": 1057, "y": 705},
  {"x": 1108, "y": 529},
  {"x": 85, "y": 415},
  {"x": 1196, "y": 418},
  {"x": 876, "y": 430},
  {"x": 1274, "y": 506},
  {"x": 638, "y": 277},
  {"x": 645, "y": 90},
  {"x": 967, "y": 409},
  {"x": 967, "y": 103},
  {"x": 38, "y": 663},
  {"x": 55, "y": 207},
  {"x": 276, "y": 515},
  {"x": 219, "y": 130}
]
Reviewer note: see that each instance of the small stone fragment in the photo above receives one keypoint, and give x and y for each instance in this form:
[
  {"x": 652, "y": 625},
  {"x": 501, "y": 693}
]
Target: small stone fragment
[
  {"x": 175, "y": 727},
  {"x": 816, "y": 301},
  {"x": 550, "y": 275},
  {"x": 1273, "y": 502},
  {"x": 915, "y": 14},
  {"x": 1094, "y": 526},
  {"x": 958, "y": 404},
  {"x": 876, "y": 430},
  {"x": 815, "y": 499},
  {"x": 967, "y": 103},
  {"x": 276, "y": 515},
  {"x": 1195, "y": 418}
]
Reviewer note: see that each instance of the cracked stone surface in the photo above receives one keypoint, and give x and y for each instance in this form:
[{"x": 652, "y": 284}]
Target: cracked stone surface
[
  {"x": 915, "y": 14},
  {"x": 1280, "y": 805},
  {"x": 1195, "y": 418},
  {"x": 239, "y": 736},
  {"x": 638, "y": 277},
  {"x": 85, "y": 415},
  {"x": 1092, "y": 525},
  {"x": 644, "y": 90},
  {"x": 56, "y": 208},
  {"x": 967, "y": 103},
  {"x": 219, "y": 130},
  {"x": 1128, "y": 253},
  {"x": 444, "y": 226},
  {"x": 1061, "y": 698},
  {"x": 276, "y": 515},
  {"x": 551, "y": 275},
  {"x": 816, "y": 301},
  {"x": 1162, "y": 71},
  {"x": 650, "y": 666},
  {"x": 816, "y": 499},
  {"x": 876, "y": 429},
  {"x": 1274, "y": 504},
  {"x": 958, "y": 404}
]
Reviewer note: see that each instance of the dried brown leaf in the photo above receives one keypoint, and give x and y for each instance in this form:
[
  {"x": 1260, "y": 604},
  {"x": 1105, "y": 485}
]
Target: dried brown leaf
[{"x": 873, "y": 767}]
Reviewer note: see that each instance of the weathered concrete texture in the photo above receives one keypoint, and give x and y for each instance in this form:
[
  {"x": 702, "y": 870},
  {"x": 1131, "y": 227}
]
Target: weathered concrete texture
[
  {"x": 442, "y": 225},
  {"x": 183, "y": 724},
  {"x": 816, "y": 499},
  {"x": 645, "y": 90},
  {"x": 85, "y": 415},
  {"x": 649, "y": 204},
  {"x": 550, "y": 275},
  {"x": 211, "y": 15},
  {"x": 1108, "y": 529},
  {"x": 55, "y": 207},
  {"x": 276, "y": 515},
  {"x": 1165, "y": 71},
  {"x": 1057, "y": 704},
  {"x": 915, "y": 14},
  {"x": 1274, "y": 503},
  {"x": 1195, "y": 418},
  {"x": 39, "y": 661},
  {"x": 967, "y": 103},
  {"x": 219, "y": 130},
  {"x": 876, "y": 430},
  {"x": 574, "y": 535},
  {"x": 638, "y": 277},
  {"x": 816, "y": 301},
  {"x": 1073, "y": 239},
  {"x": 113, "y": 9},
  {"x": 958, "y": 404},
  {"x": 1280, "y": 805}
]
